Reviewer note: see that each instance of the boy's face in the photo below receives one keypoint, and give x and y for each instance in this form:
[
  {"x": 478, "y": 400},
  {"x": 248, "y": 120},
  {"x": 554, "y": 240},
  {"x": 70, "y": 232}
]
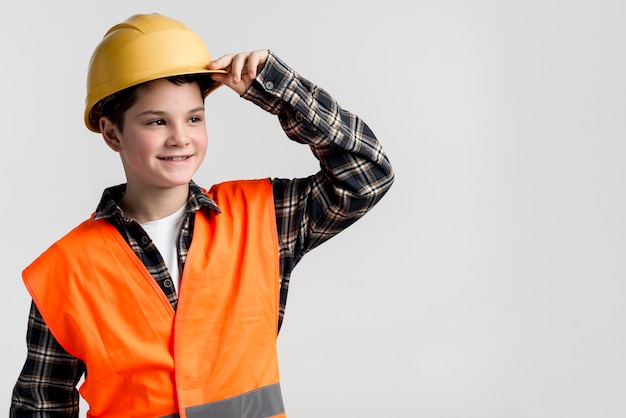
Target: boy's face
[{"x": 164, "y": 140}]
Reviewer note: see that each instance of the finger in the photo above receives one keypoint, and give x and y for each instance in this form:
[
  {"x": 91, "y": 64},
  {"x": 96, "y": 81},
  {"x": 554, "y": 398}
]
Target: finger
[
  {"x": 227, "y": 80},
  {"x": 252, "y": 65},
  {"x": 238, "y": 66},
  {"x": 221, "y": 63}
]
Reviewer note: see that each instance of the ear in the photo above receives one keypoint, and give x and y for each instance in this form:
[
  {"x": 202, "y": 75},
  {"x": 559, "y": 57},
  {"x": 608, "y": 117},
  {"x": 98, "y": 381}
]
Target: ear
[{"x": 110, "y": 133}]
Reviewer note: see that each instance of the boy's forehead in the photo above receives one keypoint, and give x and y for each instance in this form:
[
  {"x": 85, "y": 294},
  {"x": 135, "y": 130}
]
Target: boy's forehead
[{"x": 166, "y": 93}]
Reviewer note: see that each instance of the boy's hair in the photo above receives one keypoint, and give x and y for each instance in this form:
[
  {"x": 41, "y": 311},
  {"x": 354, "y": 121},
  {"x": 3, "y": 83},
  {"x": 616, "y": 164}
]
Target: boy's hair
[{"x": 115, "y": 106}]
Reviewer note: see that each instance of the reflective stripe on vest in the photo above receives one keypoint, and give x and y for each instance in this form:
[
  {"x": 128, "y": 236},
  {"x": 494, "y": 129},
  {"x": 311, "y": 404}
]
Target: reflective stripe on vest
[
  {"x": 215, "y": 355},
  {"x": 263, "y": 402}
]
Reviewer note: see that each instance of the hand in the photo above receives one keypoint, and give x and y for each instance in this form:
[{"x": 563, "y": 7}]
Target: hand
[{"x": 241, "y": 69}]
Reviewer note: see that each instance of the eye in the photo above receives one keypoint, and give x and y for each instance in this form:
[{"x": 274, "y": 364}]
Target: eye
[
  {"x": 195, "y": 119},
  {"x": 157, "y": 122}
]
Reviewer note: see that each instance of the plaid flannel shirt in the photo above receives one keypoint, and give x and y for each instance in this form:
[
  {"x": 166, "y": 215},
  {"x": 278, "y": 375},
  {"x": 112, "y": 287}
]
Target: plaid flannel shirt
[{"x": 355, "y": 174}]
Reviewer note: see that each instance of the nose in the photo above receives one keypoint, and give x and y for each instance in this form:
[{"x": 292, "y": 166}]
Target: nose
[{"x": 178, "y": 136}]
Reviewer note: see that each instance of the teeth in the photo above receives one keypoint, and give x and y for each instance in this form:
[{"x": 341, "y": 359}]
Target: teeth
[{"x": 175, "y": 158}]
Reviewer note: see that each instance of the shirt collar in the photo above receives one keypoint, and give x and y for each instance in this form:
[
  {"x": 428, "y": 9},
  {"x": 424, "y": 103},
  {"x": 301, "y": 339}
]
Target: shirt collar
[{"x": 108, "y": 208}]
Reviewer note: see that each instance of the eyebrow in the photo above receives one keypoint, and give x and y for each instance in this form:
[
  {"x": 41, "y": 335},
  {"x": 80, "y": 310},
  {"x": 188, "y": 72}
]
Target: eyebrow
[{"x": 161, "y": 113}]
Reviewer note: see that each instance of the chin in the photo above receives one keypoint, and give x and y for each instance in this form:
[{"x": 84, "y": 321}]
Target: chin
[{"x": 173, "y": 183}]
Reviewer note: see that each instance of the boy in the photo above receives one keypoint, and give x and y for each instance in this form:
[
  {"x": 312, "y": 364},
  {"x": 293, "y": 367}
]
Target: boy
[{"x": 169, "y": 298}]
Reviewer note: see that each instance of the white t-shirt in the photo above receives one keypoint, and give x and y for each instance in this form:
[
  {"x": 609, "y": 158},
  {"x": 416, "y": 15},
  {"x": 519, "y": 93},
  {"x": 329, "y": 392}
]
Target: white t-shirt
[{"x": 164, "y": 233}]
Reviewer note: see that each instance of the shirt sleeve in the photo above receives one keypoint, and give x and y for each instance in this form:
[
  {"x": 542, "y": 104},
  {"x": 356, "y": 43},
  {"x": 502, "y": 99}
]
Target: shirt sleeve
[
  {"x": 354, "y": 173},
  {"x": 46, "y": 386}
]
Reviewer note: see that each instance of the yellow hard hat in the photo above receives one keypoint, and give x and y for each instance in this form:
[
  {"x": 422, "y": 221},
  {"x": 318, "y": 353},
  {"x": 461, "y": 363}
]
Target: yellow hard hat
[{"x": 144, "y": 47}]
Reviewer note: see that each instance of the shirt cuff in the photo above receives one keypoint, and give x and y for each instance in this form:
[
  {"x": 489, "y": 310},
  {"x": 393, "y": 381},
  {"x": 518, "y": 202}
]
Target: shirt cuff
[{"x": 269, "y": 89}]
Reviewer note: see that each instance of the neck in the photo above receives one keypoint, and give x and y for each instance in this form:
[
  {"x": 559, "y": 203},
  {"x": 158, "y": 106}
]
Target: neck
[{"x": 144, "y": 205}]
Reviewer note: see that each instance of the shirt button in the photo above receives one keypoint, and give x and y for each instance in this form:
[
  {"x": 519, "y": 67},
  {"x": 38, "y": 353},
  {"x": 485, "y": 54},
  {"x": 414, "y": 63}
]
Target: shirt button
[
  {"x": 145, "y": 239},
  {"x": 269, "y": 85},
  {"x": 299, "y": 117},
  {"x": 167, "y": 283}
]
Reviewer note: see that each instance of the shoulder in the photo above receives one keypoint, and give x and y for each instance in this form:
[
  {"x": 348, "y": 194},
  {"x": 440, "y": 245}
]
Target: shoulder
[
  {"x": 239, "y": 188},
  {"x": 236, "y": 196},
  {"x": 75, "y": 241}
]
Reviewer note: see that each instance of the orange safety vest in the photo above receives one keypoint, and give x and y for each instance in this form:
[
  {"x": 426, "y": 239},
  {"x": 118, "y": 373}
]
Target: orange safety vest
[{"x": 215, "y": 356}]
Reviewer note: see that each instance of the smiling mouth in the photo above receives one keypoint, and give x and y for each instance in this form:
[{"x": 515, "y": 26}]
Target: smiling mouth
[{"x": 182, "y": 158}]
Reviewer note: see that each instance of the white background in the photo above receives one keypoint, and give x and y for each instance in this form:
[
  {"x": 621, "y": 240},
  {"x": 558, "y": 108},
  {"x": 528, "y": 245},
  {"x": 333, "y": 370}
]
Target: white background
[{"x": 488, "y": 283}]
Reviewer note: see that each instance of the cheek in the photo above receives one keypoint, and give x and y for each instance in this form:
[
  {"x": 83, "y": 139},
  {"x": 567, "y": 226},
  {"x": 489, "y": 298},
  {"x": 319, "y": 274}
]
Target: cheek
[
  {"x": 138, "y": 151},
  {"x": 202, "y": 146}
]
